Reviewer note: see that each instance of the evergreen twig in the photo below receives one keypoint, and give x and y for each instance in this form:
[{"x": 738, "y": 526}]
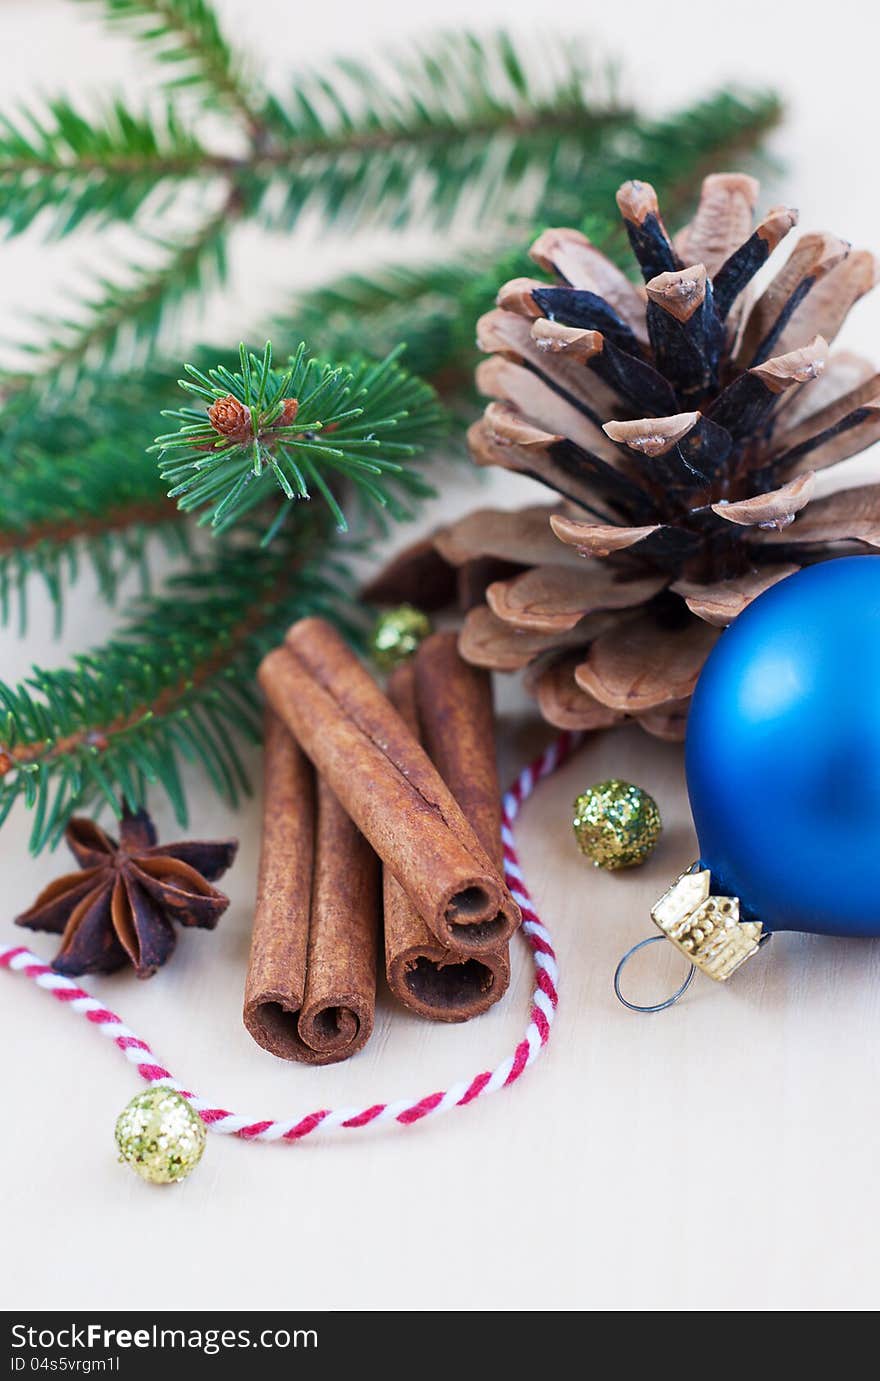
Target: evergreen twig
[
  {"x": 74, "y": 480},
  {"x": 186, "y": 36},
  {"x": 176, "y": 685},
  {"x": 121, "y": 319},
  {"x": 301, "y": 430},
  {"x": 457, "y": 123},
  {"x": 78, "y": 167}
]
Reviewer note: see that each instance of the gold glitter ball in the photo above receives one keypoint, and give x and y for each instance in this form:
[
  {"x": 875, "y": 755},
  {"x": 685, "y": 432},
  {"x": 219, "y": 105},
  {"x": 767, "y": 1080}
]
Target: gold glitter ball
[
  {"x": 397, "y": 635},
  {"x": 160, "y": 1136},
  {"x": 616, "y": 824}
]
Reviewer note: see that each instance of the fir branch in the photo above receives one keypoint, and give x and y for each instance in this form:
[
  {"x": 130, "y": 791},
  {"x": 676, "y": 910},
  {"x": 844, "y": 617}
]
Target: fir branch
[
  {"x": 176, "y": 685},
  {"x": 113, "y": 544},
  {"x": 448, "y": 86},
  {"x": 456, "y": 122},
  {"x": 431, "y": 307},
  {"x": 186, "y": 35},
  {"x": 121, "y": 321},
  {"x": 302, "y": 430},
  {"x": 82, "y": 168},
  {"x": 72, "y": 483}
]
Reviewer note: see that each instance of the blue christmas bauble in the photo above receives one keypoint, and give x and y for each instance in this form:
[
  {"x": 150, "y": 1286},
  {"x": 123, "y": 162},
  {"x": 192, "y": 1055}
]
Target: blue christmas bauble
[{"x": 783, "y": 753}]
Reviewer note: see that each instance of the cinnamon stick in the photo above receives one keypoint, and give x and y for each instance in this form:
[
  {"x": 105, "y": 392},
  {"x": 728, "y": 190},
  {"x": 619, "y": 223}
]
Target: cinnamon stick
[
  {"x": 311, "y": 984},
  {"x": 454, "y": 704},
  {"x": 387, "y": 784},
  {"x": 435, "y": 982}
]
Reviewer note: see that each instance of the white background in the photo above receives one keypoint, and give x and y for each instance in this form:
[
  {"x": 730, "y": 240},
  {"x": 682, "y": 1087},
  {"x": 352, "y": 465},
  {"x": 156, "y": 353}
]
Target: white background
[{"x": 721, "y": 1156}]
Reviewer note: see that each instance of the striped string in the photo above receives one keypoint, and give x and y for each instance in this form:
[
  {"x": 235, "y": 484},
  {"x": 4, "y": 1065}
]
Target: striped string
[{"x": 406, "y": 1112}]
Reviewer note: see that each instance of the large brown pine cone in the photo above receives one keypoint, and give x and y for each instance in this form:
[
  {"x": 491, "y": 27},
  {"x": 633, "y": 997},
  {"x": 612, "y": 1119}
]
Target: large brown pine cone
[{"x": 680, "y": 426}]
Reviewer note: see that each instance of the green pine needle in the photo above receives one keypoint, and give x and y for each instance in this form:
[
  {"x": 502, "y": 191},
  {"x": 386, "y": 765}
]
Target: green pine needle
[
  {"x": 177, "y": 685},
  {"x": 123, "y": 319},
  {"x": 454, "y": 128},
  {"x": 479, "y": 133},
  {"x": 75, "y": 483},
  {"x": 305, "y": 429},
  {"x": 458, "y": 126},
  {"x": 185, "y": 36},
  {"x": 77, "y": 168}
]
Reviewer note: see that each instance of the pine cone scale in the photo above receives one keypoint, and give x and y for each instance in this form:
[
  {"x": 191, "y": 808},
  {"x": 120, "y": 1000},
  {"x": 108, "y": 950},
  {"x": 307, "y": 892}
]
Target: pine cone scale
[
  {"x": 555, "y": 598},
  {"x": 521, "y": 535},
  {"x": 836, "y": 443},
  {"x": 488, "y": 641},
  {"x": 648, "y": 237},
  {"x": 812, "y": 258},
  {"x": 832, "y": 298},
  {"x": 658, "y": 542},
  {"x": 723, "y": 221},
  {"x": 739, "y": 269},
  {"x": 569, "y": 255},
  {"x": 641, "y": 665},
  {"x": 563, "y": 703},
  {"x": 722, "y": 602},
  {"x": 849, "y": 515}
]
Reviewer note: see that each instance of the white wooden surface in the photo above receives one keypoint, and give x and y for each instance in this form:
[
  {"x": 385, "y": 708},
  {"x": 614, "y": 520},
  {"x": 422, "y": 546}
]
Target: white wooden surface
[{"x": 733, "y": 1139}]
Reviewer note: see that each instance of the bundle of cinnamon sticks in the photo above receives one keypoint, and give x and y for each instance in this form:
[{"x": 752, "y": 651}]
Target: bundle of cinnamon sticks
[{"x": 381, "y": 815}]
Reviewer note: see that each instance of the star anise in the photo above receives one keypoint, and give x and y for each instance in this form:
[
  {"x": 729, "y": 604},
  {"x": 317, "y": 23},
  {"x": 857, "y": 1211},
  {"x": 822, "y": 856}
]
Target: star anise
[{"x": 120, "y": 908}]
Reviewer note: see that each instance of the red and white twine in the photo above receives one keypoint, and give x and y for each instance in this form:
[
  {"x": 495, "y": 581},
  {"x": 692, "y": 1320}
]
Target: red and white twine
[{"x": 17, "y": 959}]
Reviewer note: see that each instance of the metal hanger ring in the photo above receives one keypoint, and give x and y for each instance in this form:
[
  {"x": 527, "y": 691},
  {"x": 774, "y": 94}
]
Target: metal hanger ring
[{"x": 657, "y": 1006}]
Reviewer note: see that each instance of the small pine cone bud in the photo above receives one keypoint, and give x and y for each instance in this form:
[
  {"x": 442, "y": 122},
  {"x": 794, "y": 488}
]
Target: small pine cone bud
[
  {"x": 230, "y": 418},
  {"x": 287, "y": 416}
]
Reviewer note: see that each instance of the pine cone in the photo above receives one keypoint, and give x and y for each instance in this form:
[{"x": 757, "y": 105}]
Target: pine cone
[
  {"x": 680, "y": 427},
  {"x": 231, "y": 419}
]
